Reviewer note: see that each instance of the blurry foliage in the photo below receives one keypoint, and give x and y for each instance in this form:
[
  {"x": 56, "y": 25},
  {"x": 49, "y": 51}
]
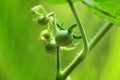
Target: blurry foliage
[
  {"x": 110, "y": 6},
  {"x": 23, "y": 57}
]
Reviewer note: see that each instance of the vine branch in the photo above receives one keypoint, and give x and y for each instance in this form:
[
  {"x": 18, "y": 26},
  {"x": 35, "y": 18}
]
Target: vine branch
[
  {"x": 58, "y": 60},
  {"x": 80, "y": 57},
  {"x": 99, "y": 35},
  {"x": 79, "y": 25},
  {"x": 92, "y": 44},
  {"x": 62, "y": 75}
]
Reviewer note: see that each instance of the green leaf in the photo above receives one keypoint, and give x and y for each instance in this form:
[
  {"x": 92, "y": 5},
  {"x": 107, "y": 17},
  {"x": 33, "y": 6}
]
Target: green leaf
[
  {"x": 109, "y": 9},
  {"x": 57, "y": 1}
]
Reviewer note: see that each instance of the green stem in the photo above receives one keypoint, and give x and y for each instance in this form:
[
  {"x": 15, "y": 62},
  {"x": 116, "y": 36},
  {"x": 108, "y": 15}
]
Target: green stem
[
  {"x": 58, "y": 60},
  {"x": 50, "y": 14},
  {"x": 91, "y": 5},
  {"x": 62, "y": 75},
  {"x": 81, "y": 56},
  {"x": 79, "y": 25},
  {"x": 92, "y": 44},
  {"x": 59, "y": 75},
  {"x": 39, "y": 14},
  {"x": 99, "y": 35}
]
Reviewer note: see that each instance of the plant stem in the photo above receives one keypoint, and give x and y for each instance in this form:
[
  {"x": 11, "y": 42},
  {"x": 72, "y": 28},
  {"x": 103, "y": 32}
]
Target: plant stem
[
  {"x": 79, "y": 25},
  {"x": 50, "y": 14},
  {"x": 59, "y": 75},
  {"x": 92, "y": 44},
  {"x": 62, "y": 75},
  {"x": 58, "y": 60},
  {"x": 37, "y": 13},
  {"x": 80, "y": 57},
  {"x": 91, "y": 5},
  {"x": 99, "y": 35}
]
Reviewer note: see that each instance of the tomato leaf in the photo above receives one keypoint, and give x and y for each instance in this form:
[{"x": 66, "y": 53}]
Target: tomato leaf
[{"x": 110, "y": 8}]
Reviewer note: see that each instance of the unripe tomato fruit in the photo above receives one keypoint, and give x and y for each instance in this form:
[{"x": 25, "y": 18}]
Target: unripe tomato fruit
[
  {"x": 42, "y": 20},
  {"x": 45, "y": 35},
  {"x": 51, "y": 47},
  {"x": 63, "y": 38}
]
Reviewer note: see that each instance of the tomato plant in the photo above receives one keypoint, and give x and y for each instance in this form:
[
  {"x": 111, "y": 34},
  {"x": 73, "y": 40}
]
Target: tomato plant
[
  {"x": 65, "y": 37},
  {"x": 29, "y": 51}
]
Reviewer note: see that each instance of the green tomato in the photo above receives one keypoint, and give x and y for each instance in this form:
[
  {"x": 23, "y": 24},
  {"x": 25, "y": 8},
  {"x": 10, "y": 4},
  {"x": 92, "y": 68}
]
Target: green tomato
[
  {"x": 63, "y": 38},
  {"x": 51, "y": 47},
  {"x": 42, "y": 20},
  {"x": 45, "y": 35}
]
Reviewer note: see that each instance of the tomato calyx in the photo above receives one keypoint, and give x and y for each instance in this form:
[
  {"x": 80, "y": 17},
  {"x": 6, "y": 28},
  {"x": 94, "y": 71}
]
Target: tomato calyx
[{"x": 70, "y": 29}]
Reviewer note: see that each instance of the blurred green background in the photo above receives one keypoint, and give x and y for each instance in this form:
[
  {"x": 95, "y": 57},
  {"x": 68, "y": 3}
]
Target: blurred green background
[{"x": 23, "y": 57}]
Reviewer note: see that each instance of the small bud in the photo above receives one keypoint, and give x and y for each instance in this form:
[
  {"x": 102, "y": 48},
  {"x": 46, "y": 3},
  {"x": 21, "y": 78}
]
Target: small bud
[{"x": 45, "y": 35}]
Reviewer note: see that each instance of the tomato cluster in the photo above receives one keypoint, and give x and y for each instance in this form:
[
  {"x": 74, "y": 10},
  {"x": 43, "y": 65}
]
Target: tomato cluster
[
  {"x": 61, "y": 37},
  {"x": 50, "y": 45}
]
